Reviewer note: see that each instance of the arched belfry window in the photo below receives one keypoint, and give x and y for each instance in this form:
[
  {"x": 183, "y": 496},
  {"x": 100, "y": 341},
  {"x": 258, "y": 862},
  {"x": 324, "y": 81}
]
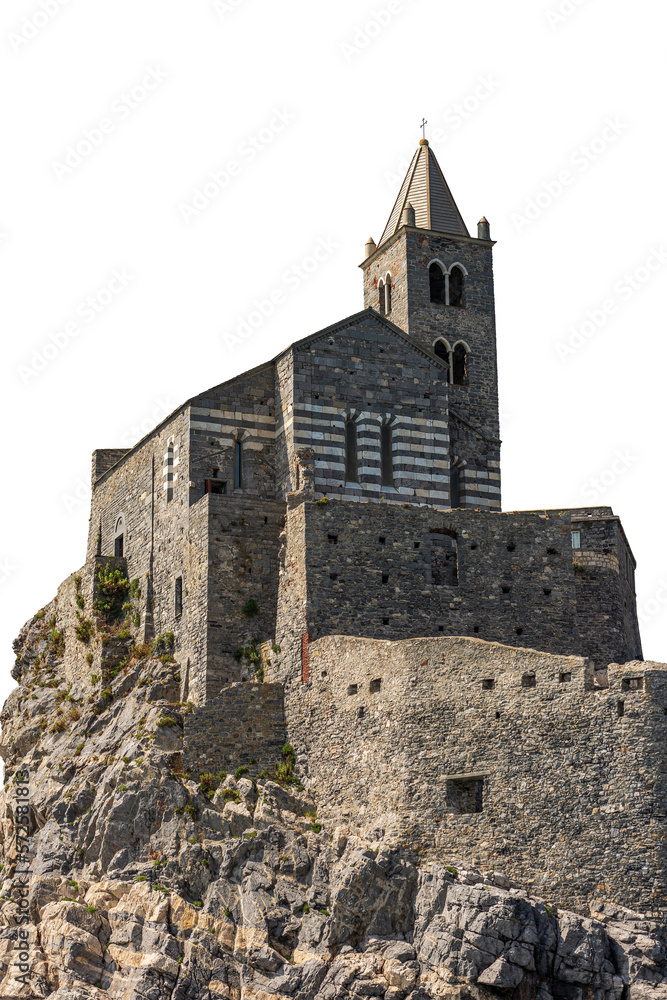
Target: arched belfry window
[
  {"x": 456, "y": 283},
  {"x": 442, "y": 350},
  {"x": 351, "y": 457},
  {"x": 387, "y": 454},
  {"x": 437, "y": 283},
  {"x": 119, "y": 537},
  {"x": 460, "y": 365},
  {"x": 238, "y": 464},
  {"x": 384, "y": 295}
]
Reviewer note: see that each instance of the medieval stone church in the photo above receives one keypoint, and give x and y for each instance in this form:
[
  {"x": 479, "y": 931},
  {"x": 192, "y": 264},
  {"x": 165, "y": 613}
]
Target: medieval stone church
[{"x": 351, "y": 485}]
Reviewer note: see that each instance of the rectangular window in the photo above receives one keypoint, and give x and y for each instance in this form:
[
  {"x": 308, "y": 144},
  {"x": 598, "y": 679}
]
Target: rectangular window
[
  {"x": 118, "y": 546},
  {"x": 444, "y": 560},
  {"x": 238, "y": 465},
  {"x": 454, "y": 486},
  {"x": 465, "y": 795},
  {"x": 178, "y": 596},
  {"x": 576, "y": 539},
  {"x": 386, "y": 455},
  {"x": 216, "y": 486},
  {"x": 351, "y": 468}
]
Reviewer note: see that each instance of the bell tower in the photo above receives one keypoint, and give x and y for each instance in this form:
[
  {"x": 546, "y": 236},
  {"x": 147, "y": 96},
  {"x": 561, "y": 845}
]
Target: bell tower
[{"x": 431, "y": 278}]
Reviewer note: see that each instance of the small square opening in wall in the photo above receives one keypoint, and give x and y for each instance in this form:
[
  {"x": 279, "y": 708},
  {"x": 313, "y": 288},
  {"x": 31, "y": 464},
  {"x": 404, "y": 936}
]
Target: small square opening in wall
[
  {"x": 333, "y": 576},
  {"x": 360, "y": 712},
  {"x": 375, "y": 685},
  {"x": 441, "y": 628},
  {"x": 465, "y": 795},
  {"x": 385, "y": 621},
  {"x": 511, "y": 547},
  {"x": 476, "y": 629},
  {"x": 352, "y": 688},
  {"x": 417, "y": 545},
  {"x": 506, "y": 589},
  {"x": 632, "y": 684},
  {"x": 565, "y": 678},
  {"x": 385, "y": 578},
  {"x": 488, "y": 684},
  {"x": 519, "y": 631},
  {"x": 381, "y": 540},
  {"x": 528, "y": 681},
  {"x": 333, "y": 539},
  {"x": 547, "y": 592}
]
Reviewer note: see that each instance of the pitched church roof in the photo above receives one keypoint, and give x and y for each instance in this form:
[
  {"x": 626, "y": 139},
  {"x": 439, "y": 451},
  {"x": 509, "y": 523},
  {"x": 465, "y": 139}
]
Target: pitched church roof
[{"x": 427, "y": 191}]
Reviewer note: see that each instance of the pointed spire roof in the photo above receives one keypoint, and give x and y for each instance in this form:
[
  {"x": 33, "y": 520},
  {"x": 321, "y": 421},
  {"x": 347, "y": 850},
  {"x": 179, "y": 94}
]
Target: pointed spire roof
[{"x": 426, "y": 189}]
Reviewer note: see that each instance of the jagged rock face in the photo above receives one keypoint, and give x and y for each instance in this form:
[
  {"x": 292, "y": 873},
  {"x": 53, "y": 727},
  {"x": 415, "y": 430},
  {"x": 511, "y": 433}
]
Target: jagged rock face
[{"x": 143, "y": 883}]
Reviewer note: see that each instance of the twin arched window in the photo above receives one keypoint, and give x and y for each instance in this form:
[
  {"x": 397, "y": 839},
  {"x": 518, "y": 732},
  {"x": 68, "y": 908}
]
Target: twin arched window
[
  {"x": 456, "y": 361},
  {"x": 447, "y": 286},
  {"x": 384, "y": 295}
]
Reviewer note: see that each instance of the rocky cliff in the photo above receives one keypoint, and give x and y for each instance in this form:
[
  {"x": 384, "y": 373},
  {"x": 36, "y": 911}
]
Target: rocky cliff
[{"x": 124, "y": 877}]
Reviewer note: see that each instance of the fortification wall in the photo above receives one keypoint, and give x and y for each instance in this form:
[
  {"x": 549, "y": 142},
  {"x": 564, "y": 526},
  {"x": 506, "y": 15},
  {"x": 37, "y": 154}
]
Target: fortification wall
[
  {"x": 242, "y": 561},
  {"x": 391, "y": 571},
  {"x": 511, "y": 758},
  {"x": 245, "y": 723}
]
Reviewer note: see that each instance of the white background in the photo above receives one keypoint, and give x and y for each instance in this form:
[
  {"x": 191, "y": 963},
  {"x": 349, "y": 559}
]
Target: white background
[{"x": 515, "y": 93}]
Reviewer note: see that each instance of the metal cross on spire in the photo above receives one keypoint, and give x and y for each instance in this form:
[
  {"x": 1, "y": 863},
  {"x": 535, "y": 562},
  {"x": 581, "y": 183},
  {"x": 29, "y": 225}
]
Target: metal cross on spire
[{"x": 423, "y": 126}]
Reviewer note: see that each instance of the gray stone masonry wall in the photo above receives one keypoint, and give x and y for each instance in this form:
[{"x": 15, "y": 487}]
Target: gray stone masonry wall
[
  {"x": 154, "y": 502},
  {"x": 511, "y": 758},
  {"x": 246, "y": 722},
  {"x": 243, "y": 549},
  {"x": 391, "y": 571},
  {"x": 242, "y": 409},
  {"x": 606, "y": 602},
  {"x": 363, "y": 369},
  {"x": 104, "y": 459},
  {"x": 474, "y": 425}
]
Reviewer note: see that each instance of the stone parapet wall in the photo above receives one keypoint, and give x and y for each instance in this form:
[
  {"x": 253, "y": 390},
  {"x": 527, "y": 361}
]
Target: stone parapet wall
[
  {"x": 392, "y": 571},
  {"x": 533, "y": 764}
]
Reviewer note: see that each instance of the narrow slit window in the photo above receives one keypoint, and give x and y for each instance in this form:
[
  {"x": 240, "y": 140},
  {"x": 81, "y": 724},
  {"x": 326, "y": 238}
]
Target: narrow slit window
[
  {"x": 576, "y": 539},
  {"x": 387, "y": 296},
  {"x": 178, "y": 596},
  {"x": 386, "y": 454},
  {"x": 238, "y": 465},
  {"x": 381, "y": 298},
  {"x": 351, "y": 466},
  {"x": 119, "y": 538},
  {"x": 454, "y": 486}
]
